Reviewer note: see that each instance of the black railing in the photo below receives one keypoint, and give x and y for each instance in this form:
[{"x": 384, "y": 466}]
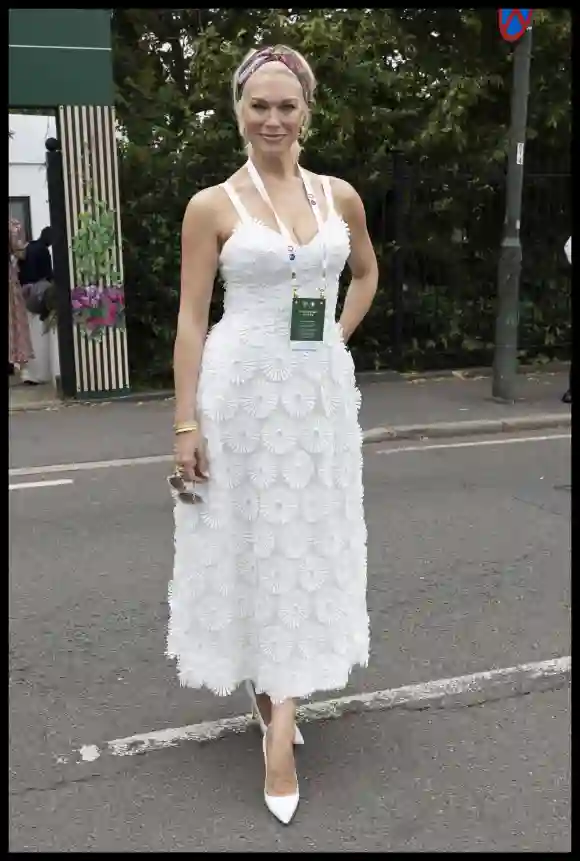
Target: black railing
[{"x": 438, "y": 233}]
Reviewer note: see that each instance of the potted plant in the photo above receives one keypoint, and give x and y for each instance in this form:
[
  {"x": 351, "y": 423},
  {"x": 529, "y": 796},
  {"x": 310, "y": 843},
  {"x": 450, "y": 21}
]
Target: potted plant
[{"x": 98, "y": 300}]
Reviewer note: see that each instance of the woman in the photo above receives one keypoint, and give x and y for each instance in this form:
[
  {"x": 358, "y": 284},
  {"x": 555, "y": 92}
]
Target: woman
[
  {"x": 269, "y": 577},
  {"x": 19, "y": 344}
]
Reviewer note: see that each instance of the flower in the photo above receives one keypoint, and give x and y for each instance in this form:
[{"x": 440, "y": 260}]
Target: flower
[
  {"x": 207, "y": 552},
  {"x": 242, "y": 434},
  {"x": 293, "y": 608},
  {"x": 277, "y": 575},
  {"x": 332, "y": 399},
  {"x": 298, "y": 397},
  {"x": 298, "y": 469},
  {"x": 276, "y": 643},
  {"x": 316, "y": 436},
  {"x": 276, "y": 367},
  {"x": 218, "y": 405},
  {"x": 262, "y": 400},
  {"x": 247, "y": 502},
  {"x": 279, "y": 434},
  {"x": 278, "y": 505},
  {"x": 241, "y": 369},
  {"x": 329, "y": 542},
  {"x": 263, "y": 469},
  {"x": 214, "y": 513},
  {"x": 329, "y": 606},
  {"x": 313, "y": 572},
  {"x": 313, "y": 365},
  {"x": 230, "y": 473},
  {"x": 95, "y": 308}
]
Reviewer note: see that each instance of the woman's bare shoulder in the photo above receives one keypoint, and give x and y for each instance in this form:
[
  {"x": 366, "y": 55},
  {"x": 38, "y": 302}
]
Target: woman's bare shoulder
[
  {"x": 342, "y": 190},
  {"x": 205, "y": 201}
]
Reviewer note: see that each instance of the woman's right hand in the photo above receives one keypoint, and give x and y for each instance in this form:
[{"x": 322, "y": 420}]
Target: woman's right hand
[{"x": 191, "y": 456}]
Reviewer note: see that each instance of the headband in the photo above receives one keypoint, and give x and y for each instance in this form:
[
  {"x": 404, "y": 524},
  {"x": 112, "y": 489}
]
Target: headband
[{"x": 270, "y": 55}]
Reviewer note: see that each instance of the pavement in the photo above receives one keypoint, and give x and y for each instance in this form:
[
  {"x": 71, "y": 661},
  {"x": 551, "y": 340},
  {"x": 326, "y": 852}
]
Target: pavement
[
  {"x": 405, "y": 408},
  {"x": 469, "y": 573}
]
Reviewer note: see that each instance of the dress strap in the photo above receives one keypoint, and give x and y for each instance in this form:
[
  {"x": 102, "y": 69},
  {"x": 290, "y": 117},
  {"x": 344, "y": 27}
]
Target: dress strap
[
  {"x": 236, "y": 202},
  {"x": 326, "y": 187}
]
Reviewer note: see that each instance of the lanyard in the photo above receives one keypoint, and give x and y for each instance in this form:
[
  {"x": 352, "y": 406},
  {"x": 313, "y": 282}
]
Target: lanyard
[{"x": 260, "y": 187}]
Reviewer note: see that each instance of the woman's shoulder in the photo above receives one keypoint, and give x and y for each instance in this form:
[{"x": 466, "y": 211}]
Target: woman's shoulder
[
  {"x": 206, "y": 203},
  {"x": 215, "y": 195},
  {"x": 342, "y": 190}
]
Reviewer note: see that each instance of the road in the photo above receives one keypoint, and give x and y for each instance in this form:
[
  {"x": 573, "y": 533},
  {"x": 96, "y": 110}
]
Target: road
[{"x": 469, "y": 560}]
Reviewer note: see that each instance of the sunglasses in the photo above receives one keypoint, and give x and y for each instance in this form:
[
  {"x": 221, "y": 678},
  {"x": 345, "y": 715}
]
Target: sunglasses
[{"x": 183, "y": 490}]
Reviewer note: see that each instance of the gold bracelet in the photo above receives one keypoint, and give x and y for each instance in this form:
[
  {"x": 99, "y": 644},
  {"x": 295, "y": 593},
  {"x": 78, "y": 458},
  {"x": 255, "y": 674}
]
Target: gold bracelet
[{"x": 186, "y": 427}]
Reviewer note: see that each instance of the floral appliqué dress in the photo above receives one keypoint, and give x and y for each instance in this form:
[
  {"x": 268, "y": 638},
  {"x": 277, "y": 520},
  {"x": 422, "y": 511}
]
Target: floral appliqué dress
[{"x": 269, "y": 579}]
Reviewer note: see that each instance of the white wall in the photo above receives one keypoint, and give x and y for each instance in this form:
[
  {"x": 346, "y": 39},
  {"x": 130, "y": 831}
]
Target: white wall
[
  {"x": 26, "y": 155},
  {"x": 27, "y": 178}
]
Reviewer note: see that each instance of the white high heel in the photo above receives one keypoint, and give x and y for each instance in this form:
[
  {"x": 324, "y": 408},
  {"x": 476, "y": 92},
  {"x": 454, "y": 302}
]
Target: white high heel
[
  {"x": 298, "y": 737},
  {"x": 283, "y": 807}
]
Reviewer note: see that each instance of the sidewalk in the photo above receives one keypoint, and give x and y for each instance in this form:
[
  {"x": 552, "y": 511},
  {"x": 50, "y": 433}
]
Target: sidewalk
[
  {"x": 454, "y": 405},
  {"x": 402, "y": 408}
]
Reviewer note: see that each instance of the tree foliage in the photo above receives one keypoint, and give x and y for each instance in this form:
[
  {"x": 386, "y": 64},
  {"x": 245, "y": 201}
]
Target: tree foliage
[{"x": 433, "y": 84}]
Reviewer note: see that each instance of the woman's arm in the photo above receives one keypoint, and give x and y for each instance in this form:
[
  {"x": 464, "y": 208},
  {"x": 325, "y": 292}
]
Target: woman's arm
[
  {"x": 199, "y": 263},
  {"x": 362, "y": 261}
]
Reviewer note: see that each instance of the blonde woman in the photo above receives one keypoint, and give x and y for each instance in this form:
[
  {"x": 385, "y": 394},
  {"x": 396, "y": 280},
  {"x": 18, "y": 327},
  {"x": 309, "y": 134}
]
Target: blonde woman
[{"x": 269, "y": 582}]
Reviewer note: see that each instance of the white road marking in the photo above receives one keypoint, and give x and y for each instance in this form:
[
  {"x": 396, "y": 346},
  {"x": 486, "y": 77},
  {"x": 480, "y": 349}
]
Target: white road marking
[
  {"x": 28, "y": 485},
  {"x": 89, "y": 752},
  {"x": 471, "y": 688},
  {"x": 474, "y": 443},
  {"x": 88, "y": 466}
]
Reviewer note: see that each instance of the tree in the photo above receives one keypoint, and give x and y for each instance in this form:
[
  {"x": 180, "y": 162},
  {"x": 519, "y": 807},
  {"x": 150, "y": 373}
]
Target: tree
[{"x": 431, "y": 83}]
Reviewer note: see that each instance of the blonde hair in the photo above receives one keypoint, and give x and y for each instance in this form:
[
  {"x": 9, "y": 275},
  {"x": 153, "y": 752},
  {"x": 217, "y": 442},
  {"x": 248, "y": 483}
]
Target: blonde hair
[{"x": 297, "y": 64}]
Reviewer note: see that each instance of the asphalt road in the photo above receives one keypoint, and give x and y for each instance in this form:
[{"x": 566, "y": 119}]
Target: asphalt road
[
  {"x": 469, "y": 560},
  {"x": 120, "y": 429}
]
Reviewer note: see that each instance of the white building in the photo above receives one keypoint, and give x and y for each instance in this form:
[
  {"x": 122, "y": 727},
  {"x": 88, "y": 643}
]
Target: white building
[{"x": 28, "y": 202}]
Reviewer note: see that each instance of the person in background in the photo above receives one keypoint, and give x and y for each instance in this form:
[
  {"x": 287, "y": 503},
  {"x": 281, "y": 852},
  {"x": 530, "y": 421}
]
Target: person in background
[
  {"x": 20, "y": 350},
  {"x": 33, "y": 268},
  {"x": 567, "y": 397}
]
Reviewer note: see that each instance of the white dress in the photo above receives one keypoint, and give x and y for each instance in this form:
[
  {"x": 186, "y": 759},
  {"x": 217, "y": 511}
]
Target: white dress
[{"x": 269, "y": 579}]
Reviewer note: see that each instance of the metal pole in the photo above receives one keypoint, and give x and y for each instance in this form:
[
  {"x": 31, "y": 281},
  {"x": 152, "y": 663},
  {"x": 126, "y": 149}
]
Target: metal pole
[
  {"x": 510, "y": 261},
  {"x": 56, "y": 203}
]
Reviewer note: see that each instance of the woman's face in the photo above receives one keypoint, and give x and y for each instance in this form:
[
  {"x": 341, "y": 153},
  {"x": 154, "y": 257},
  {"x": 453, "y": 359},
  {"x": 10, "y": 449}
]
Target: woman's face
[{"x": 273, "y": 109}]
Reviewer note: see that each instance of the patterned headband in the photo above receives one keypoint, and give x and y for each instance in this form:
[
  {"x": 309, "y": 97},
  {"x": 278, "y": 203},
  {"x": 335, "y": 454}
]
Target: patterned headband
[{"x": 270, "y": 55}]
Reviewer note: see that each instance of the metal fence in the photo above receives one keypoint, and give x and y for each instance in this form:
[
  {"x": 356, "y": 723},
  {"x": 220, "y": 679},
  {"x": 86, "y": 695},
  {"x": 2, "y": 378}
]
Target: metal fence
[{"x": 438, "y": 233}]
